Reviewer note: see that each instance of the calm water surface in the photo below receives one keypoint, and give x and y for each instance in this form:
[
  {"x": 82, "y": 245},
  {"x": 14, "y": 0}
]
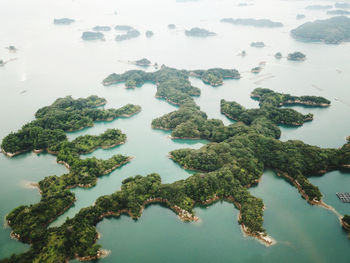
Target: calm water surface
[{"x": 53, "y": 62}]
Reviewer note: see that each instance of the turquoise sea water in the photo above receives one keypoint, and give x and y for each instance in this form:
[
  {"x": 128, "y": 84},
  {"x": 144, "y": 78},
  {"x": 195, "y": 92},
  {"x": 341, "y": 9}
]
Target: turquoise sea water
[{"x": 53, "y": 62}]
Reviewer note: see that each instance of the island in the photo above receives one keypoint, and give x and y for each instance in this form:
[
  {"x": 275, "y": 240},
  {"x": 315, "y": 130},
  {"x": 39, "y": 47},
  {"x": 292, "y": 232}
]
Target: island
[
  {"x": 296, "y": 56},
  {"x": 342, "y": 5},
  {"x": 318, "y": 7},
  {"x": 63, "y": 21},
  {"x": 143, "y": 62},
  {"x": 46, "y": 132},
  {"x": 330, "y": 31},
  {"x": 129, "y": 35},
  {"x": 198, "y": 32},
  {"x": 171, "y": 26},
  {"x": 123, "y": 28},
  {"x": 338, "y": 12},
  {"x": 232, "y": 162},
  {"x": 102, "y": 28},
  {"x": 258, "y": 44},
  {"x": 92, "y": 36},
  {"x": 278, "y": 55},
  {"x": 12, "y": 48},
  {"x": 173, "y": 85},
  {"x": 252, "y": 22},
  {"x": 256, "y": 70},
  {"x": 149, "y": 33},
  {"x": 2, "y": 62},
  {"x": 300, "y": 16}
]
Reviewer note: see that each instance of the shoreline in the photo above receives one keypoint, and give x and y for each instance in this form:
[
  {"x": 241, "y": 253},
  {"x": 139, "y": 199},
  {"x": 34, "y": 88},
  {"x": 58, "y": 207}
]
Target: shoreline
[
  {"x": 307, "y": 198},
  {"x": 262, "y": 237}
]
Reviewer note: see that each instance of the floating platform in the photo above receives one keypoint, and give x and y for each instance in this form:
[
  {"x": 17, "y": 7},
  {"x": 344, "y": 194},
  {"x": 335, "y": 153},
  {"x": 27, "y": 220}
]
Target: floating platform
[{"x": 344, "y": 197}]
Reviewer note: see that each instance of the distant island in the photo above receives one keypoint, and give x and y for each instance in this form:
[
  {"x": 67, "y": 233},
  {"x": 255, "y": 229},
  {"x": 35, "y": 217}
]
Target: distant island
[
  {"x": 331, "y": 31},
  {"x": 257, "y": 44},
  {"x": 149, "y": 33},
  {"x": 123, "y": 28},
  {"x": 92, "y": 36},
  {"x": 296, "y": 56},
  {"x": 318, "y": 7},
  {"x": 171, "y": 26},
  {"x": 252, "y": 22},
  {"x": 63, "y": 21},
  {"x": 278, "y": 55},
  {"x": 342, "y": 5},
  {"x": 129, "y": 35},
  {"x": 338, "y": 12},
  {"x": 102, "y": 28},
  {"x": 300, "y": 16},
  {"x": 199, "y": 32},
  {"x": 256, "y": 70},
  {"x": 143, "y": 62}
]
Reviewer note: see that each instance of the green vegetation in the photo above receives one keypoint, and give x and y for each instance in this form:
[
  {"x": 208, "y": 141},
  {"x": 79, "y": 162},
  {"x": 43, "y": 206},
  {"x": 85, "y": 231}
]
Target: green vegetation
[
  {"x": 199, "y": 32},
  {"x": 30, "y": 223},
  {"x": 296, "y": 56},
  {"x": 252, "y": 22},
  {"x": 65, "y": 114},
  {"x": 331, "y": 31},
  {"x": 173, "y": 84},
  {"x": 270, "y": 102},
  {"x": 143, "y": 62},
  {"x": 232, "y": 162},
  {"x": 215, "y": 76}
]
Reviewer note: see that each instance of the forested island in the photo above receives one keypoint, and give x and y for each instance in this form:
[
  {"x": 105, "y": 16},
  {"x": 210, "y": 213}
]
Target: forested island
[
  {"x": 46, "y": 132},
  {"x": 331, "y": 31},
  {"x": 252, "y": 22},
  {"x": 232, "y": 162},
  {"x": 30, "y": 223},
  {"x": 173, "y": 84},
  {"x": 300, "y": 16},
  {"x": 63, "y": 21},
  {"x": 144, "y": 62},
  {"x": 278, "y": 55},
  {"x": 199, "y": 32},
  {"x": 296, "y": 56},
  {"x": 92, "y": 36}
]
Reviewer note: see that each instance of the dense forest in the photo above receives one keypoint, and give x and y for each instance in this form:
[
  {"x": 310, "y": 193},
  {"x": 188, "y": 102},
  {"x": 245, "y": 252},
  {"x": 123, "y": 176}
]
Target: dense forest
[
  {"x": 65, "y": 114},
  {"x": 232, "y": 162},
  {"x": 173, "y": 84}
]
